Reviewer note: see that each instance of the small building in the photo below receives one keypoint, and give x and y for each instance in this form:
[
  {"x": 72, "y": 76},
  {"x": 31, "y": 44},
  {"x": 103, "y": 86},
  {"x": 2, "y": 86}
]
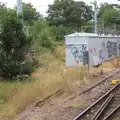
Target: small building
[{"x": 90, "y": 48}]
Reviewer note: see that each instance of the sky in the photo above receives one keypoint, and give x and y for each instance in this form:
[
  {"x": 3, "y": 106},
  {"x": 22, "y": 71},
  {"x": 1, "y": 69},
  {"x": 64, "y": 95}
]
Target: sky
[{"x": 42, "y": 5}]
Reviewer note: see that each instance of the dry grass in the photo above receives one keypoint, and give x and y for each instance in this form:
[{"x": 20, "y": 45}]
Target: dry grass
[{"x": 52, "y": 76}]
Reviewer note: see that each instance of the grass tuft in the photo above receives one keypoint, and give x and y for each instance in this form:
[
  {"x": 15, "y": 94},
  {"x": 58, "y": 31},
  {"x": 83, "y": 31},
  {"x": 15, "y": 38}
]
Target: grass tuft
[{"x": 51, "y": 76}]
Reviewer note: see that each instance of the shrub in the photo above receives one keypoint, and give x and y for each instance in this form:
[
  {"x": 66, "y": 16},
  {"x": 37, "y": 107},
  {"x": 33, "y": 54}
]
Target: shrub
[
  {"x": 14, "y": 46},
  {"x": 42, "y": 35},
  {"x": 60, "y": 31}
]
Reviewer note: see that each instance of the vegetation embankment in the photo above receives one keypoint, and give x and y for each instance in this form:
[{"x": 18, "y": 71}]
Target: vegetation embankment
[
  {"x": 32, "y": 53},
  {"x": 46, "y": 80}
]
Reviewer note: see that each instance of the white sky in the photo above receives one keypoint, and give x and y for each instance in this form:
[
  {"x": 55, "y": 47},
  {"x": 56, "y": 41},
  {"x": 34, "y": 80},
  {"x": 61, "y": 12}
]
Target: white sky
[{"x": 42, "y": 5}]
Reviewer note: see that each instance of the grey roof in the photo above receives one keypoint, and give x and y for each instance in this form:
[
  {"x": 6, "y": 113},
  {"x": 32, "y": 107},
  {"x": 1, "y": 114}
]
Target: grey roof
[
  {"x": 81, "y": 34},
  {"x": 76, "y": 34}
]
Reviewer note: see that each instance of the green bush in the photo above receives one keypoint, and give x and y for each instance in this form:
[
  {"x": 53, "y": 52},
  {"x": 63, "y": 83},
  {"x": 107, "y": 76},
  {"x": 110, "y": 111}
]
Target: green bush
[
  {"x": 14, "y": 47},
  {"x": 60, "y": 31},
  {"x": 42, "y": 36}
]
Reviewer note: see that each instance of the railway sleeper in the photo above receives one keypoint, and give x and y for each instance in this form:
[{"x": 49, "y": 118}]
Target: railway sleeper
[
  {"x": 88, "y": 113},
  {"x": 103, "y": 107}
]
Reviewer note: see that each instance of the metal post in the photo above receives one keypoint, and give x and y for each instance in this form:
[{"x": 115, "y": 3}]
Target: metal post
[
  {"x": 95, "y": 17},
  {"x": 103, "y": 26},
  {"x": 19, "y": 6}
]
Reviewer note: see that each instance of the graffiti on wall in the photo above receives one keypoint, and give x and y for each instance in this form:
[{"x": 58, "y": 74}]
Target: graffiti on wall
[
  {"x": 78, "y": 52},
  {"x": 119, "y": 48},
  {"x": 102, "y": 52},
  {"x": 109, "y": 47},
  {"x": 112, "y": 49}
]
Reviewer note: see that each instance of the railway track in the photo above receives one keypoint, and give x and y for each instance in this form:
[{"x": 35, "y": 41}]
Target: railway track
[
  {"x": 105, "y": 108},
  {"x": 104, "y": 84}
]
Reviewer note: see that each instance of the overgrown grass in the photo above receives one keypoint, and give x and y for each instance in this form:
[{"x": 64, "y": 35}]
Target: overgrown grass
[{"x": 51, "y": 76}]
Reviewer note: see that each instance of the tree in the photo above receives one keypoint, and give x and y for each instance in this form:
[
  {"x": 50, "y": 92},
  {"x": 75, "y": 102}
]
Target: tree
[
  {"x": 60, "y": 31},
  {"x": 30, "y": 14},
  {"x": 42, "y": 35},
  {"x": 14, "y": 47},
  {"x": 106, "y": 14},
  {"x": 3, "y": 10},
  {"x": 69, "y": 13},
  {"x": 2, "y": 5}
]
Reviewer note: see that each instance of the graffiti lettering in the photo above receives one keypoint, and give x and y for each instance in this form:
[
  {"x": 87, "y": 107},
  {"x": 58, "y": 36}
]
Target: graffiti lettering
[
  {"x": 102, "y": 52},
  {"x": 69, "y": 46},
  {"x": 78, "y": 52},
  {"x": 112, "y": 49},
  {"x": 101, "y": 55}
]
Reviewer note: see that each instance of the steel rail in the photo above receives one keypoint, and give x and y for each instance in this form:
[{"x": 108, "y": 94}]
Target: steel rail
[
  {"x": 112, "y": 113},
  {"x": 105, "y": 79},
  {"x": 95, "y": 103},
  {"x": 102, "y": 108}
]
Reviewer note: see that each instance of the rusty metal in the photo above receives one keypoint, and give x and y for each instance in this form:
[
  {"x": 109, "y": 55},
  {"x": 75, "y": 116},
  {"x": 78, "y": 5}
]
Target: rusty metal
[
  {"x": 102, "y": 108},
  {"x": 104, "y": 97},
  {"x": 112, "y": 113},
  {"x": 103, "y": 80}
]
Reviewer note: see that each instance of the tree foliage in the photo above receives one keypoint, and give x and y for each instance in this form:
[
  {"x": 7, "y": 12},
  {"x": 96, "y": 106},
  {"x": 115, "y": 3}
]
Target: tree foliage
[
  {"x": 106, "y": 14},
  {"x": 30, "y": 14},
  {"x": 42, "y": 35},
  {"x": 3, "y": 11},
  {"x": 14, "y": 46},
  {"x": 60, "y": 31},
  {"x": 69, "y": 13}
]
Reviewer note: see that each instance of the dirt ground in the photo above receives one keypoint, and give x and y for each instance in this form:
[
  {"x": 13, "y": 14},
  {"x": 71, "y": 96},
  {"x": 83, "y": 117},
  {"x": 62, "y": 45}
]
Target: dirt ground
[{"x": 65, "y": 105}]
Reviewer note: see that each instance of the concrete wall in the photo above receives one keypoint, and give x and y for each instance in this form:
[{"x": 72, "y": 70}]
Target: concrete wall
[
  {"x": 105, "y": 48},
  {"x": 75, "y": 47},
  {"x": 102, "y": 48}
]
